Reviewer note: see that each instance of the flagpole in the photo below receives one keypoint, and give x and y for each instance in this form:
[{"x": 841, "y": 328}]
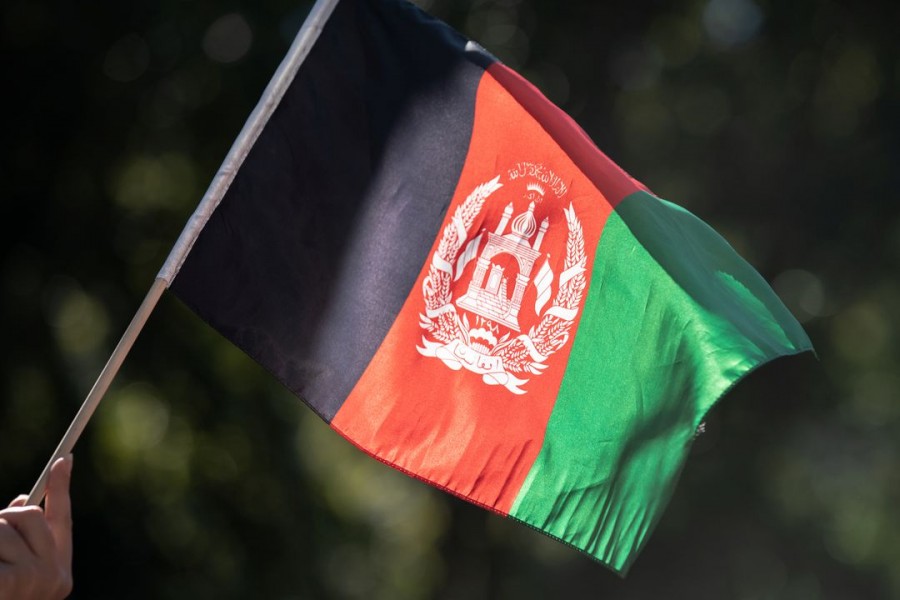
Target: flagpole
[
  {"x": 268, "y": 102},
  {"x": 257, "y": 120},
  {"x": 100, "y": 386}
]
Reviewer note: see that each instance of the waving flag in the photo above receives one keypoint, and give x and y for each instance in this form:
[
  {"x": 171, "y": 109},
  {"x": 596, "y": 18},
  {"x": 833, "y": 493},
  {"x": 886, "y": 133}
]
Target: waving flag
[{"x": 444, "y": 267}]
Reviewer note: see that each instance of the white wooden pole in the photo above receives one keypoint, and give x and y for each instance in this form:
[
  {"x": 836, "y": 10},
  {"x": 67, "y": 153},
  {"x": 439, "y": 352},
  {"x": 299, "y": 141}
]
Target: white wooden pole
[{"x": 102, "y": 384}]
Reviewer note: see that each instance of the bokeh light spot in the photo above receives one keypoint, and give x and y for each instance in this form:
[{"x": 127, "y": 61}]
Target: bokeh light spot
[
  {"x": 678, "y": 39},
  {"x": 851, "y": 82},
  {"x": 139, "y": 418},
  {"x": 802, "y": 292},
  {"x": 862, "y": 332},
  {"x": 732, "y": 22},
  {"x": 79, "y": 321},
  {"x": 28, "y": 402},
  {"x": 228, "y": 39},
  {"x": 496, "y": 27},
  {"x": 852, "y": 534},
  {"x": 148, "y": 183},
  {"x": 405, "y": 517},
  {"x": 875, "y": 401}
]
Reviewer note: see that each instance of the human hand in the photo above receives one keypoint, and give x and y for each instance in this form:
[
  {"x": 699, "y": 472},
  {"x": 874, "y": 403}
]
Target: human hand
[{"x": 36, "y": 544}]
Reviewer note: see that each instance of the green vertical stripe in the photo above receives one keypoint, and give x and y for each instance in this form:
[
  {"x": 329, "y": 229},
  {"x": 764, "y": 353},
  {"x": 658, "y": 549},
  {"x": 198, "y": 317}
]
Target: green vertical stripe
[{"x": 673, "y": 318}]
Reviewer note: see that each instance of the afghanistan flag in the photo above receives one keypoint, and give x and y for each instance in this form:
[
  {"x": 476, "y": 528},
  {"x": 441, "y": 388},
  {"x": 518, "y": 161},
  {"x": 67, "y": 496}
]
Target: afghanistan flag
[{"x": 444, "y": 267}]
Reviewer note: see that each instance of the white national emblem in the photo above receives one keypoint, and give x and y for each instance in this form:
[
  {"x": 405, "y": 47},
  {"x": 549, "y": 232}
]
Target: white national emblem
[{"x": 488, "y": 348}]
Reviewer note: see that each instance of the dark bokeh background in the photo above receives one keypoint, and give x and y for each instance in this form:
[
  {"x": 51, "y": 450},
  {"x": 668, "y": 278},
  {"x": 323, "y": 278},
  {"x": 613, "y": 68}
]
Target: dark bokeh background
[{"x": 200, "y": 477}]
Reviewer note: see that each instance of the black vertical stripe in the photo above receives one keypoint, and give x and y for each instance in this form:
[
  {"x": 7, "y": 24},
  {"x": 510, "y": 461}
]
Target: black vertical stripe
[{"x": 315, "y": 247}]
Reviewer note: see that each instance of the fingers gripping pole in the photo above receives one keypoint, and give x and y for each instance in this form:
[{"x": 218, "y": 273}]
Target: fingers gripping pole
[{"x": 102, "y": 384}]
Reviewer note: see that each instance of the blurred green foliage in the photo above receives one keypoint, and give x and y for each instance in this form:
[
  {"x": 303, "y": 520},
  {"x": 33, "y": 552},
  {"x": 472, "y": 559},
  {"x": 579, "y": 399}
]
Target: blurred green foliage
[{"x": 200, "y": 477}]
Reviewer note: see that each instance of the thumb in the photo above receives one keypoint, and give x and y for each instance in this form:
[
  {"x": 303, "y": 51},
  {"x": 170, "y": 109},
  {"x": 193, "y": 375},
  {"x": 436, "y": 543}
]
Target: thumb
[
  {"x": 58, "y": 507},
  {"x": 19, "y": 501}
]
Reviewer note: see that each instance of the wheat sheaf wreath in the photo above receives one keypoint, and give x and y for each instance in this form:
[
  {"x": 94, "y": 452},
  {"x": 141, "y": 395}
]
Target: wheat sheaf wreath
[{"x": 522, "y": 354}]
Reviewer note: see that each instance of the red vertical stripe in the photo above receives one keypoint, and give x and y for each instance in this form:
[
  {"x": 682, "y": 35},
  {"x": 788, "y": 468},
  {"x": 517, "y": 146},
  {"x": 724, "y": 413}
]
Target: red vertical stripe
[{"x": 448, "y": 426}]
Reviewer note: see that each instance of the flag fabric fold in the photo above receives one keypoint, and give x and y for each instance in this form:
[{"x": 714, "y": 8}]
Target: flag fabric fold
[{"x": 445, "y": 268}]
